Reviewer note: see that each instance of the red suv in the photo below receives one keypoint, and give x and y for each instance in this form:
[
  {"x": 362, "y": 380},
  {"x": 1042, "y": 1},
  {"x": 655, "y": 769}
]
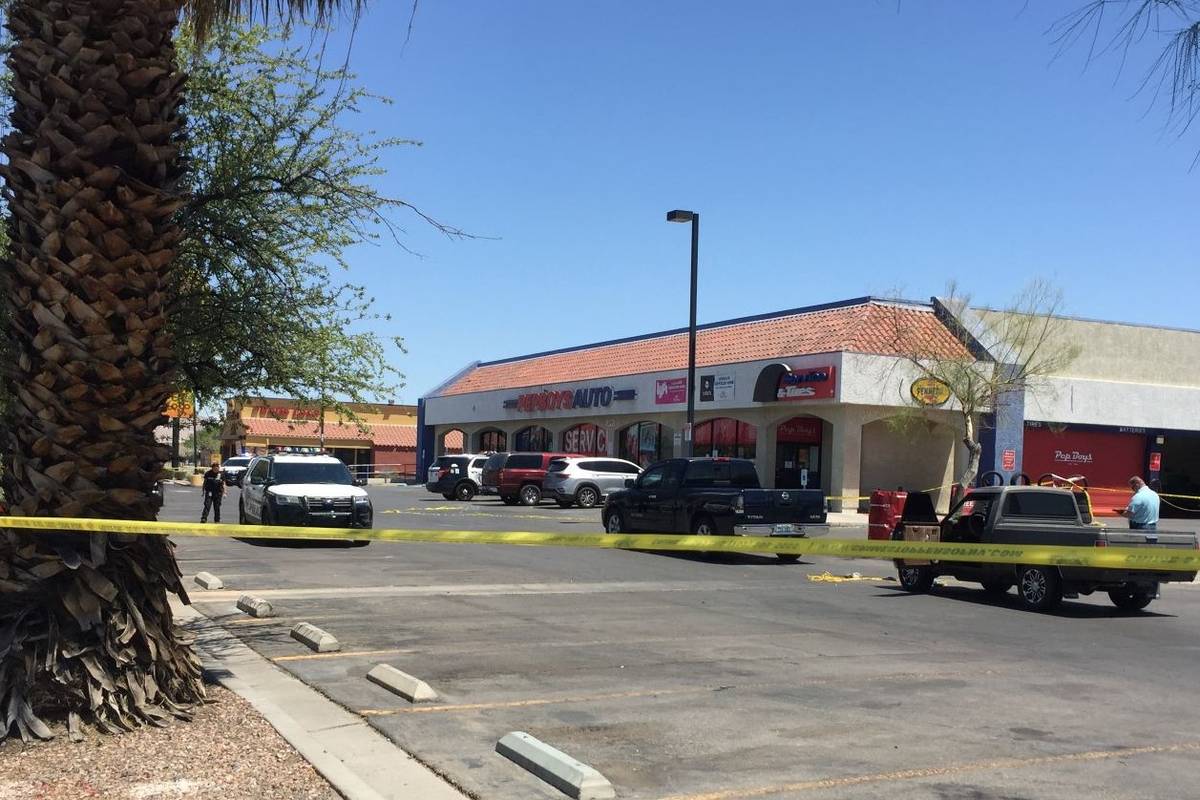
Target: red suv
[{"x": 517, "y": 477}]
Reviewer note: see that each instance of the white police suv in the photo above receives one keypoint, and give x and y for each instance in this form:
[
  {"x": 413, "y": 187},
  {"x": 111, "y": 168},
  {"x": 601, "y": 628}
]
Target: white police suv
[{"x": 310, "y": 490}]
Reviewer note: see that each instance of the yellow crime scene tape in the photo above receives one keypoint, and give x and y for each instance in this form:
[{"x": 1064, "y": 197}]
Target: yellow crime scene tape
[{"x": 1142, "y": 558}]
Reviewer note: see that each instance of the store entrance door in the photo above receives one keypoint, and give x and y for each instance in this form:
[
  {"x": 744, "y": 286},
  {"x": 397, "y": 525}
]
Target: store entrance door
[
  {"x": 797, "y": 466},
  {"x": 798, "y": 454}
]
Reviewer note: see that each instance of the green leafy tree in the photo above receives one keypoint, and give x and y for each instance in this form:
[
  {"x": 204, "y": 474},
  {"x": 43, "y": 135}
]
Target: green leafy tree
[{"x": 279, "y": 189}]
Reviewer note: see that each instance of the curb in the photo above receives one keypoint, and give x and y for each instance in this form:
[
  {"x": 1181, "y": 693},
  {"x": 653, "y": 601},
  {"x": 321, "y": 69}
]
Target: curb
[
  {"x": 255, "y": 606},
  {"x": 414, "y": 690},
  {"x": 359, "y": 762},
  {"x": 555, "y": 767},
  {"x": 208, "y": 581},
  {"x": 315, "y": 639}
]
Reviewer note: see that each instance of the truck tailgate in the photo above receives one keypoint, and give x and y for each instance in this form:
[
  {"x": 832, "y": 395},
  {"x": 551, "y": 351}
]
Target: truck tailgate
[
  {"x": 1179, "y": 541},
  {"x": 767, "y": 506}
]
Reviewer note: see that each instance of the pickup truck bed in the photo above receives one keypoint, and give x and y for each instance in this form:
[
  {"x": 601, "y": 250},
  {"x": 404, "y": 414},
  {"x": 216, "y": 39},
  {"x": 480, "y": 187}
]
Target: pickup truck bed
[
  {"x": 712, "y": 496},
  {"x": 1033, "y": 515}
]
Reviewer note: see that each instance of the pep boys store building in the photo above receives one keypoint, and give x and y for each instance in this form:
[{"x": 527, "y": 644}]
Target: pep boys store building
[{"x": 806, "y": 394}]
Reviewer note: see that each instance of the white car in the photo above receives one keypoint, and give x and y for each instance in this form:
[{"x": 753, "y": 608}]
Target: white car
[
  {"x": 586, "y": 480},
  {"x": 285, "y": 489}
]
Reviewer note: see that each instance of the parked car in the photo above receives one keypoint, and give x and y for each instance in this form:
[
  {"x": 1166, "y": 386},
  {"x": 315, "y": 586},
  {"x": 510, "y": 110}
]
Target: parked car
[
  {"x": 233, "y": 468},
  {"x": 1032, "y": 515},
  {"x": 517, "y": 477},
  {"x": 456, "y": 477},
  {"x": 309, "y": 490},
  {"x": 713, "y": 496},
  {"x": 585, "y": 481}
]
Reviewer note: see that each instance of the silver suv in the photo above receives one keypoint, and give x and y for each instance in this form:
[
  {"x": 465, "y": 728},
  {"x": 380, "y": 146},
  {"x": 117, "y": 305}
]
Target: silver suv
[{"x": 586, "y": 480}]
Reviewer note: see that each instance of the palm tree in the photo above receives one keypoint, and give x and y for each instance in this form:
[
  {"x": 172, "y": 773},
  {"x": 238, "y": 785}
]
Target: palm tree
[{"x": 92, "y": 184}]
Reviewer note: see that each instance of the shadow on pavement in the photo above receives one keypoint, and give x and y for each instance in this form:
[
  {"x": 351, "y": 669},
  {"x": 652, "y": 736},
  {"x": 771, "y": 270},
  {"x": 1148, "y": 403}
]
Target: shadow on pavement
[
  {"x": 1068, "y": 610},
  {"x": 742, "y": 559}
]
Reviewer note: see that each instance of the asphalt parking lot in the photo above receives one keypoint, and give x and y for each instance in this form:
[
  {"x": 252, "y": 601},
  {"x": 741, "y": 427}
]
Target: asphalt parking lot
[{"x": 684, "y": 676}]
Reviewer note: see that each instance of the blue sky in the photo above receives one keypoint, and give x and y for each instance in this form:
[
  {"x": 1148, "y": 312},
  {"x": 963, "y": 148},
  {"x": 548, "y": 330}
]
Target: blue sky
[{"x": 832, "y": 149}]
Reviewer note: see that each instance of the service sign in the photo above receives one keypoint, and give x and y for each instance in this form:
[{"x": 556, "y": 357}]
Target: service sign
[
  {"x": 929, "y": 391},
  {"x": 811, "y": 383}
]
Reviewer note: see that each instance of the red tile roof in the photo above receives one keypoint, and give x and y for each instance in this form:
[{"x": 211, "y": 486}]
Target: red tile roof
[
  {"x": 403, "y": 436},
  {"x": 870, "y": 327}
]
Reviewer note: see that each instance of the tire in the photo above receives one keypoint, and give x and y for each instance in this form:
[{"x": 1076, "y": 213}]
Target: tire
[
  {"x": 509, "y": 501},
  {"x": 703, "y": 526},
  {"x": 241, "y": 514},
  {"x": 266, "y": 516},
  {"x": 587, "y": 496},
  {"x": 531, "y": 494},
  {"x": 465, "y": 491},
  {"x": 917, "y": 580},
  {"x": 1039, "y": 588},
  {"x": 1132, "y": 598},
  {"x": 997, "y": 586},
  {"x": 614, "y": 522},
  {"x": 788, "y": 558},
  {"x": 448, "y": 495}
]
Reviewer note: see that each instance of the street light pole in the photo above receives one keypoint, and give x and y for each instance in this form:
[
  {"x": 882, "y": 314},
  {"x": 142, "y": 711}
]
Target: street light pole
[{"x": 694, "y": 218}]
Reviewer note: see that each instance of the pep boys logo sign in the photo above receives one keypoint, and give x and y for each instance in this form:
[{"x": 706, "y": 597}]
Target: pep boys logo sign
[
  {"x": 1072, "y": 457},
  {"x": 568, "y": 399}
]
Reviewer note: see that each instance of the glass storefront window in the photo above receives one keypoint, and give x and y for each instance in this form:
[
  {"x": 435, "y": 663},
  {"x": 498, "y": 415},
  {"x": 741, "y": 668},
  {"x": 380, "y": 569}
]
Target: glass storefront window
[
  {"x": 534, "y": 439},
  {"x": 725, "y": 438},
  {"x": 585, "y": 439},
  {"x": 493, "y": 441},
  {"x": 643, "y": 443}
]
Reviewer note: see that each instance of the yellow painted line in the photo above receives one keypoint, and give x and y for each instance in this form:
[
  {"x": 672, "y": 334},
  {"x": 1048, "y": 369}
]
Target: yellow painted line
[
  {"x": 341, "y": 654},
  {"x": 939, "y": 772},
  {"x": 1143, "y": 558},
  {"x": 539, "y": 701},
  {"x": 908, "y": 677}
]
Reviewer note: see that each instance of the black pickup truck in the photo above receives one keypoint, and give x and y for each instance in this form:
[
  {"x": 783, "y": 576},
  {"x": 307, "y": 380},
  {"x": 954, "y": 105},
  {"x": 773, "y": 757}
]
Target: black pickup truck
[
  {"x": 712, "y": 497},
  {"x": 1032, "y": 515}
]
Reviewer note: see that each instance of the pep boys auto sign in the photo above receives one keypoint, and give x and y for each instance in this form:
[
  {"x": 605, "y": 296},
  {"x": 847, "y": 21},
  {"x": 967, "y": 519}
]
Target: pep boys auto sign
[{"x": 568, "y": 399}]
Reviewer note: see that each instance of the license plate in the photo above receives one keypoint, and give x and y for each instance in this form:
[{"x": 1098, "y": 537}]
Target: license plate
[{"x": 781, "y": 529}]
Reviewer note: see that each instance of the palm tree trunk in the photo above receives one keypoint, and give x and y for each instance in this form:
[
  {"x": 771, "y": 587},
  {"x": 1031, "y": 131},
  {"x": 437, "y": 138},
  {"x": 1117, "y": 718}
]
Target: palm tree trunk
[{"x": 93, "y": 167}]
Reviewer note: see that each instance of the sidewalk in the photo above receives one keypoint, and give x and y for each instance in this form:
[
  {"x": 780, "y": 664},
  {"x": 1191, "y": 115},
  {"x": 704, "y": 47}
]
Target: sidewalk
[{"x": 357, "y": 760}]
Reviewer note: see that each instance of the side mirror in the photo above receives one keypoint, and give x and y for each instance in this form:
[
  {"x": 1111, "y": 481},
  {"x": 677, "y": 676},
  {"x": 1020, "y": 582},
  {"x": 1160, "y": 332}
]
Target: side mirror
[
  {"x": 630, "y": 483},
  {"x": 360, "y": 481},
  {"x": 254, "y": 481}
]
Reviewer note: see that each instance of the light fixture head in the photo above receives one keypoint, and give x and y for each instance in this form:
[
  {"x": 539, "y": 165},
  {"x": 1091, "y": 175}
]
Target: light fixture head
[{"x": 679, "y": 215}]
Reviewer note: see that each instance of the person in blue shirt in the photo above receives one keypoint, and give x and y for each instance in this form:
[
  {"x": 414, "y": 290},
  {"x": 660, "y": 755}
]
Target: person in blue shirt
[{"x": 1143, "y": 506}]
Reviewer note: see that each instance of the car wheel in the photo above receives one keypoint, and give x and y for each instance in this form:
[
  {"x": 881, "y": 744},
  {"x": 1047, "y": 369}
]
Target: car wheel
[
  {"x": 996, "y": 585},
  {"x": 917, "y": 580},
  {"x": 1039, "y": 588},
  {"x": 614, "y": 522},
  {"x": 241, "y": 513},
  {"x": 1132, "y": 598},
  {"x": 267, "y": 517},
  {"x": 788, "y": 558},
  {"x": 530, "y": 495},
  {"x": 465, "y": 491},
  {"x": 448, "y": 495},
  {"x": 587, "y": 497},
  {"x": 703, "y": 526}
]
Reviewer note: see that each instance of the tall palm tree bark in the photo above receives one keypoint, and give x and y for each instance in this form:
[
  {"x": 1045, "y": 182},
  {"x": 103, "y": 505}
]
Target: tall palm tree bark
[{"x": 91, "y": 178}]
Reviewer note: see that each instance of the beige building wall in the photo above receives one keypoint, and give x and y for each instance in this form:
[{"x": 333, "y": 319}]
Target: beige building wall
[{"x": 1125, "y": 353}]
